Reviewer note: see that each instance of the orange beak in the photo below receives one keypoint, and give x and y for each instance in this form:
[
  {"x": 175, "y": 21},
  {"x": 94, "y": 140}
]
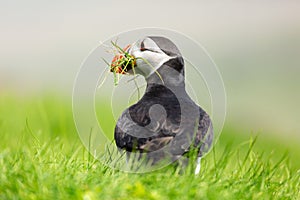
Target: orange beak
[{"x": 116, "y": 61}]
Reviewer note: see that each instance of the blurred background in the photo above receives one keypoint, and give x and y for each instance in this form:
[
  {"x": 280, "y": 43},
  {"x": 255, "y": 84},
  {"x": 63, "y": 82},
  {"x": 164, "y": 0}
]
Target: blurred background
[{"x": 255, "y": 44}]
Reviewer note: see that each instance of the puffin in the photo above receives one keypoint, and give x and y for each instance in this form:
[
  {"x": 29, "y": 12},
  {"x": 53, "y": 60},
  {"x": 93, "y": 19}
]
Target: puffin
[{"x": 165, "y": 123}]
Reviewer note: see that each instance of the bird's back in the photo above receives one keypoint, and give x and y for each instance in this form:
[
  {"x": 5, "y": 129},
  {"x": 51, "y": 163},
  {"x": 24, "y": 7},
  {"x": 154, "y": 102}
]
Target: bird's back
[{"x": 163, "y": 119}]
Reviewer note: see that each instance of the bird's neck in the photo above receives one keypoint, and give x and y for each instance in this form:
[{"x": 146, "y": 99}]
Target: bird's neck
[
  {"x": 166, "y": 81},
  {"x": 171, "y": 73},
  {"x": 162, "y": 82}
]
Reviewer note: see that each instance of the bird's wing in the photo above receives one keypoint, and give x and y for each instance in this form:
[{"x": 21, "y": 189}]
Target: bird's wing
[
  {"x": 136, "y": 129},
  {"x": 205, "y": 134}
]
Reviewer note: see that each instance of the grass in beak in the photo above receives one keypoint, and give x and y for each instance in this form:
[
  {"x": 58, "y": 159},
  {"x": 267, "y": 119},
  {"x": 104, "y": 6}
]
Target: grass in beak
[{"x": 120, "y": 64}]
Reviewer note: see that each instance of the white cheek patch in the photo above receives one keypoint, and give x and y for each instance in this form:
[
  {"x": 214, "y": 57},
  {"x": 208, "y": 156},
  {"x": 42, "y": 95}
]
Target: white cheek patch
[
  {"x": 150, "y": 60},
  {"x": 151, "y": 45}
]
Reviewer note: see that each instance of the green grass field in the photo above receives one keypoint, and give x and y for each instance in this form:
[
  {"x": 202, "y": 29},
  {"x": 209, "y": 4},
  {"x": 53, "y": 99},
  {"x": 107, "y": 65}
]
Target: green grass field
[{"x": 41, "y": 157}]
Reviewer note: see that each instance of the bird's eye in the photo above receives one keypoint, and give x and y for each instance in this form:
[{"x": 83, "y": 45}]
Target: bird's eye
[{"x": 143, "y": 49}]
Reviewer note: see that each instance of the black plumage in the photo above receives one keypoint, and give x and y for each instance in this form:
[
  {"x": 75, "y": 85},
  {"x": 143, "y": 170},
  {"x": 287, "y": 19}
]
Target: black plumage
[{"x": 165, "y": 120}]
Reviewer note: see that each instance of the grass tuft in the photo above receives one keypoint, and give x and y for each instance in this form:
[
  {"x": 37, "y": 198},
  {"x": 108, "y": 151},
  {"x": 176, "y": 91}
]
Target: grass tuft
[{"x": 42, "y": 158}]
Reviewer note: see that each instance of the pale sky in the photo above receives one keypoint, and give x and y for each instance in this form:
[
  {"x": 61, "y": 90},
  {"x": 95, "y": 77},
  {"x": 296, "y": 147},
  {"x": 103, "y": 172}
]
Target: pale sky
[{"x": 255, "y": 44}]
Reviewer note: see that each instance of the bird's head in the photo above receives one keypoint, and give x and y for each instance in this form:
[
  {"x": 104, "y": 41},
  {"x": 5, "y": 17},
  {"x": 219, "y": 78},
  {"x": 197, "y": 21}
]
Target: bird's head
[{"x": 148, "y": 55}]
